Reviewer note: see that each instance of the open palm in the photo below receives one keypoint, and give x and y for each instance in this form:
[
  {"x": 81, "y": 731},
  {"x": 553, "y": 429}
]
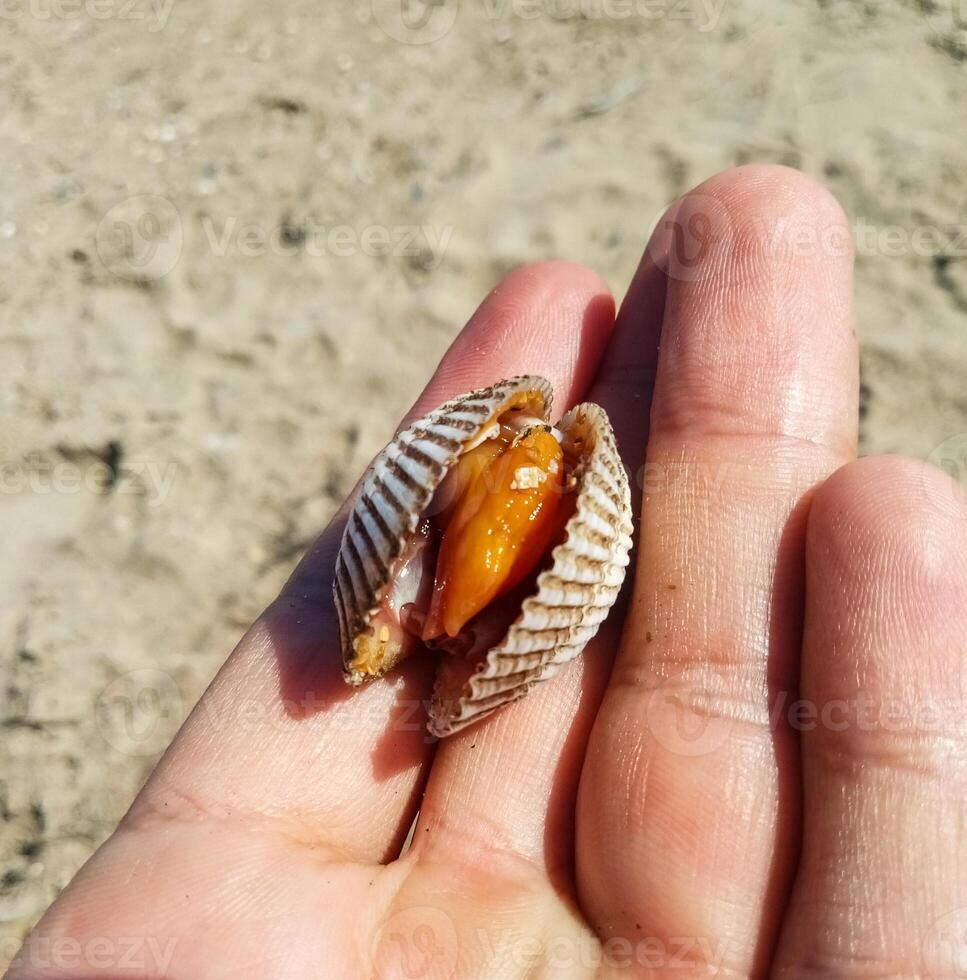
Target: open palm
[{"x": 698, "y": 794}]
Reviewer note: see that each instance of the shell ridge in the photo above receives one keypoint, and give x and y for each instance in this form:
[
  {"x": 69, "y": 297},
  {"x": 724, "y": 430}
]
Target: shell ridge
[
  {"x": 367, "y": 542},
  {"x": 357, "y": 568},
  {"x": 382, "y": 490},
  {"x": 416, "y": 451},
  {"x": 377, "y": 518}
]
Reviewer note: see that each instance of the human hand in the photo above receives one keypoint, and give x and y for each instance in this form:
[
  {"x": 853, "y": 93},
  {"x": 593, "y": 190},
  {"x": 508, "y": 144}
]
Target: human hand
[{"x": 712, "y": 789}]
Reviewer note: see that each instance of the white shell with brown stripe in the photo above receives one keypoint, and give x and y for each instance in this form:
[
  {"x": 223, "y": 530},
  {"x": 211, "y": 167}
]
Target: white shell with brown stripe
[{"x": 572, "y": 597}]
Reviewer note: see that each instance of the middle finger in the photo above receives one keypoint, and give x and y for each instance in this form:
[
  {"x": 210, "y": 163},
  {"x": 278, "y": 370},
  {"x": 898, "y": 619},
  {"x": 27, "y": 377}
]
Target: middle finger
[{"x": 687, "y": 819}]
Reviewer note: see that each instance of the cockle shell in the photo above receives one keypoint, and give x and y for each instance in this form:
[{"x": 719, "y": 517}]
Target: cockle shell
[{"x": 573, "y": 596}]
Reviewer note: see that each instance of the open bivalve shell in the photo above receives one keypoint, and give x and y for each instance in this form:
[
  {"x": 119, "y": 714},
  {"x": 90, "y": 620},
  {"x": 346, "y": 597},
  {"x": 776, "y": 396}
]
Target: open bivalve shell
[{"x": 393, "y": 573}]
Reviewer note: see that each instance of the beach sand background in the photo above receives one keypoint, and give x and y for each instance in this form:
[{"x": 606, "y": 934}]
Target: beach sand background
[{"x": 211, "y": 316}]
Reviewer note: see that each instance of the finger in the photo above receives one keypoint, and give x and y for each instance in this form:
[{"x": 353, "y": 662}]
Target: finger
[
  {"x": 279, "y": 734},
  {"x": 625, "y": 384},
  {"x": 882, "y": 885},
  {"x": 508, "y": 785},
  {"x": 690, "y": 834}
]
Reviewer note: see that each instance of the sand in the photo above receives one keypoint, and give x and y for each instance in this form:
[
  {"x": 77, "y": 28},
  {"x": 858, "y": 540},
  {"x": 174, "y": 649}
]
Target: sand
[{"x": 234, "y": 240}]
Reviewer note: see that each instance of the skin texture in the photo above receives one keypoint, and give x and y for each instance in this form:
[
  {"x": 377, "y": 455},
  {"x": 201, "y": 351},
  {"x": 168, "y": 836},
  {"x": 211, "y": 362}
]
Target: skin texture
[{"x": 757, "y": 768}]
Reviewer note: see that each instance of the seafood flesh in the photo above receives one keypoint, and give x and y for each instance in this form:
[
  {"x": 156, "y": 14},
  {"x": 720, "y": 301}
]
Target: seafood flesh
[{"x": 485, "y": 533}]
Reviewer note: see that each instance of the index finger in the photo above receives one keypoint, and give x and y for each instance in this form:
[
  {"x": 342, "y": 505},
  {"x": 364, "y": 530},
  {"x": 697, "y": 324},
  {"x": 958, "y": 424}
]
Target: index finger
[{"x": 278, "y": 733}]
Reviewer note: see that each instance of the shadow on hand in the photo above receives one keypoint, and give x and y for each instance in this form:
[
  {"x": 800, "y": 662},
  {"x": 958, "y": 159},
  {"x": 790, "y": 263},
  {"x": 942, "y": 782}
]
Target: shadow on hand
[
  {"x": 304, "y": 631},
  {"x": 782, "y": 679}
]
